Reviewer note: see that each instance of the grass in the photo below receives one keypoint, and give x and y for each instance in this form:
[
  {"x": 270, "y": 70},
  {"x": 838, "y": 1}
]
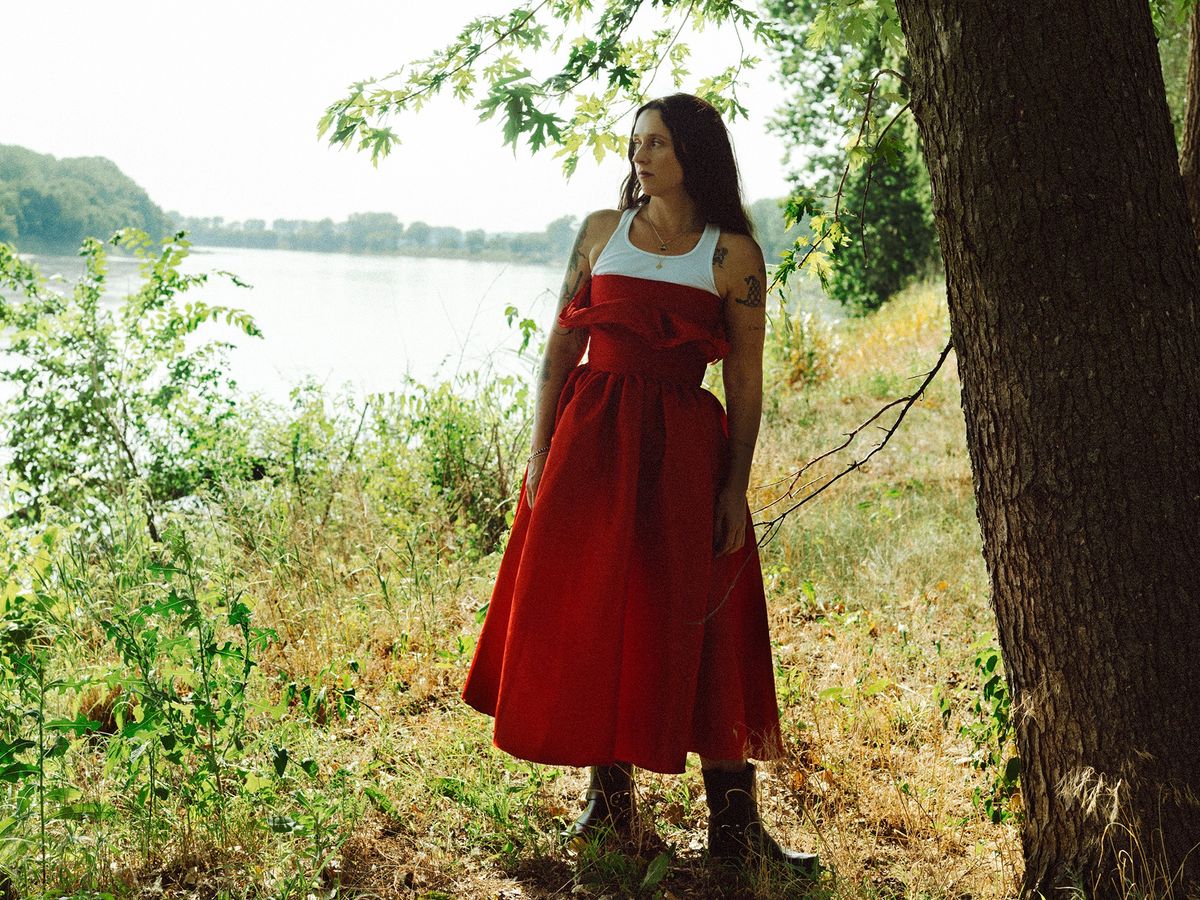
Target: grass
[{"x": 345, "y": 763}]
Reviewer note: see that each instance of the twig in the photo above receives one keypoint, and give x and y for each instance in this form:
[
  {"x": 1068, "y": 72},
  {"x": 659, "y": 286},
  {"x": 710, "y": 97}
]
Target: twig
[
  {"x": 470, "y": 60},
  {"x": 687, "y": 15},
  {"x": 862, "y": 212},
  {"x": 657, "y": 65},
  {"x": 905, "y": 404},
  {"x": 594, "y": 68},
  {"x": 837, "y": 202},
  {"x": 333, "y": 486},
  {"x": 118, "y": 432},
  {"x": 772, "y": 525}
]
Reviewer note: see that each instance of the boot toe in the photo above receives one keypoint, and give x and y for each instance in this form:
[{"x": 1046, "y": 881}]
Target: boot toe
[{"x": 808, "y": 864}]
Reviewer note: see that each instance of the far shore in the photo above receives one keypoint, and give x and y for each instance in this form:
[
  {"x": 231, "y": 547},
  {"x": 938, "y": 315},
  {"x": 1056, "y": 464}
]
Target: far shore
[{"x": 484, "y": 255}]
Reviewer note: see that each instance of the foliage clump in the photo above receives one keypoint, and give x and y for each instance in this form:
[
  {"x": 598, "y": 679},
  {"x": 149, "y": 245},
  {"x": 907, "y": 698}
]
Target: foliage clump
[
  {"x": 104, "y": 398},
  {"x": 50, "y": 204},
  {"x": 261, "y": 696},
  {"x": 166, "y": 542}
]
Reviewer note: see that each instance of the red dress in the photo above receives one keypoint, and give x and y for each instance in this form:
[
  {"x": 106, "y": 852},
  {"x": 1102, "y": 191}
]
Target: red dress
[{"x": 613, "y": 633}]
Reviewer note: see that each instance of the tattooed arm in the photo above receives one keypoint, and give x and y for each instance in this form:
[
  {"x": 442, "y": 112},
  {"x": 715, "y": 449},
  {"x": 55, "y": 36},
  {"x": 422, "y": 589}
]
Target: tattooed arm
[
  {"x": 741, "y": 279},
  {"x": 564, "y": 346}
]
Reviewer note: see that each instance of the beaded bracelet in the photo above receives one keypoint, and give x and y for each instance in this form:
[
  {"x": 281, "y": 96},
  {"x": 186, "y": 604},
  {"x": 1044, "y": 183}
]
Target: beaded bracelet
[{"x": 537, "y": 453}]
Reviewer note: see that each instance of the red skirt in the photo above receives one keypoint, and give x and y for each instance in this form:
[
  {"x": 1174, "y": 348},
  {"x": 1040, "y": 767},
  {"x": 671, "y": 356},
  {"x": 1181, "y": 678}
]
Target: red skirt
[{"x": 613, "y": 633}]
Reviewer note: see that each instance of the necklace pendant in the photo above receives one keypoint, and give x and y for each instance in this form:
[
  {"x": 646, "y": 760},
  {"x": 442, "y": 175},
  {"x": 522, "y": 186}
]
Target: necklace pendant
[{"x": 662, "y": 246}]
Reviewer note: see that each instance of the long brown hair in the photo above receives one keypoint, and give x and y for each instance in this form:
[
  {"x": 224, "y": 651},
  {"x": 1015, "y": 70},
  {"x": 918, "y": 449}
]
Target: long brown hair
[{"x": 703, "y": 148}]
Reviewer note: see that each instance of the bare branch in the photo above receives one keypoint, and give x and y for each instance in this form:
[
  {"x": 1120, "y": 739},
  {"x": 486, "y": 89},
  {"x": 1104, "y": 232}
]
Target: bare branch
[
  {"x": 333, "y": 483},
  {"x": 796, "y": 489}
]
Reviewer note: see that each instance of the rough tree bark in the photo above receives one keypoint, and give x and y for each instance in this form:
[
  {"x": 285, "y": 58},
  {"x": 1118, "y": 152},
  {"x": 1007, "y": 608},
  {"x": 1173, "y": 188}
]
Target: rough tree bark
[
  {"x": 1073, "y": 278},
  {"x": 1189, "y": 154}
]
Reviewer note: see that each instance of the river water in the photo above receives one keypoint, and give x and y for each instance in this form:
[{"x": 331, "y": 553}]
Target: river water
[{"x": 357, "y": 322}]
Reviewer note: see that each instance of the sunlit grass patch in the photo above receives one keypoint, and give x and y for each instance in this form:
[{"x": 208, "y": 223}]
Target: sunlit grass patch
[{"x": 353, "y": 575}]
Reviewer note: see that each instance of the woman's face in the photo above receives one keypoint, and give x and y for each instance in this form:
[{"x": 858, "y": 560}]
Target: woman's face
[{"x": 653, "y": 155}]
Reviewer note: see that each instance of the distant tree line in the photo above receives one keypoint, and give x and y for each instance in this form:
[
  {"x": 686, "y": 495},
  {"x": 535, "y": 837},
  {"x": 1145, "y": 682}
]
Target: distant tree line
[
  {"x": 381, "y": 232},
  {"x": 49, "y": 204}
]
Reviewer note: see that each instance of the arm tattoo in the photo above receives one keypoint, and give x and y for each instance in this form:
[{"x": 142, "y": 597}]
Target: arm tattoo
[
  {"x": 571, "y": 285},
  {"x": 719, "y": 256},
  {"x": 753, "y": 298}
]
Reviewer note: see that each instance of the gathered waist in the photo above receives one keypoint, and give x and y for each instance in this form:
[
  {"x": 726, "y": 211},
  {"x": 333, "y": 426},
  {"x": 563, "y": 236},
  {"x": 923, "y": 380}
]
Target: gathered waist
[{"x": 677, "y": 365}]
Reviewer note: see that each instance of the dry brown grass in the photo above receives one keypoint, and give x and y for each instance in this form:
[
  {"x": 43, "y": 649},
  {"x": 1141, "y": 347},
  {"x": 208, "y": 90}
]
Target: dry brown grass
[{"x": 877, "y": 591}]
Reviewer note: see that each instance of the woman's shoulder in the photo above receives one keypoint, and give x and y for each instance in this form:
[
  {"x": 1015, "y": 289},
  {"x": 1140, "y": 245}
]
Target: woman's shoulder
[
  {"x": 599, "y": 220},
  {"x": 598, "y": 226},
  {"x": 603, "y": 215},
  {"x": 736, "y": 259},
  {"x": 738, "y": 247}
]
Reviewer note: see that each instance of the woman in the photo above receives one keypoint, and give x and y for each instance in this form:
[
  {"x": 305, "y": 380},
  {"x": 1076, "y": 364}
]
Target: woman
[{"x": 628, "y": 625}]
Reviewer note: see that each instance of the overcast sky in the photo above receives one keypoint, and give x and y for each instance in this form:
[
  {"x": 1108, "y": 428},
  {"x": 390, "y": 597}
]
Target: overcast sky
[{"x": 212, "y": 108}]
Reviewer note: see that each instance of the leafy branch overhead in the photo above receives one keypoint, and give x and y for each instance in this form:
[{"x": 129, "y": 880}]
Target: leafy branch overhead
[
  {"x": 605, "y": 62},
  {"x": 602, "y": 70}
]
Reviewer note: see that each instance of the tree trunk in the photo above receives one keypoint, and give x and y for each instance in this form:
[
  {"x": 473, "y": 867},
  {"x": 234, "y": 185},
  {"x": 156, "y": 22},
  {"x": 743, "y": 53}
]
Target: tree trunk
[
  {"x": 1189, "y": 156},
  {"x": 1073, "y": 275}
]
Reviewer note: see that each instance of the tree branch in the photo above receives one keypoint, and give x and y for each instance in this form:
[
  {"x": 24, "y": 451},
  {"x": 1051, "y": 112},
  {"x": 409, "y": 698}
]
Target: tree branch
[
  {"x": 471, "y": 57},
  {"x": 862, "y": 212},
  {"x": 794, "y": 488}
]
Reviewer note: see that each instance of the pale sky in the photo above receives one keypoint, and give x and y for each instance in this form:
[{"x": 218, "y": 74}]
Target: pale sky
[{"x": 212, "y": 109}]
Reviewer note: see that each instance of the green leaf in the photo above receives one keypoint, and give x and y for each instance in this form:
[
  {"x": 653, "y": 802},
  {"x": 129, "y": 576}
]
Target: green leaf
[
  {"x": 1012, "y": 770},
  {"x": 279, "y": 759},
  {"x": 284, "y": 825},
  {"x": 9, "y": 750},
  {"x": 81, "y": 724},
  {"x": 380, "y": 801},
  {"x": 656, "y": 871},
  {"x": 809, "y": 591},
  {"x": 91, "y": 811},
  {"x": 59, "y": 748},
  {"x": 17, "y": 772},
  {"x": 835, "y": 694},
  {"x": 878, "y": 686},
  {"x": 255, "y": 783}
]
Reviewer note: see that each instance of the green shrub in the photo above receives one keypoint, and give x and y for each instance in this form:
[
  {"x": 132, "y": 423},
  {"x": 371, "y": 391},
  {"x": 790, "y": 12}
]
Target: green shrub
[
  {"x": 462, "y": 445},
  {"x": 891, "y": 240},
  {"x": 100, "y": 398}
]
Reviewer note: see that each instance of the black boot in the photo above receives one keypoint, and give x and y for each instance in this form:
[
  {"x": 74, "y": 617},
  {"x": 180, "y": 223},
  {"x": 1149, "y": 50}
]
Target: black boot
[
  {"x": 609, "y": 805},
  {"x": 735, "y": 831}
]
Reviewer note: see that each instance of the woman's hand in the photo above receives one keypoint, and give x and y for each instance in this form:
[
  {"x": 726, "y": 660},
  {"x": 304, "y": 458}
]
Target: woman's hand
[
  {"x": 729, "y": 522},
  {"x": 741, "y": 278},
  {"x": 533, "y": 476}
]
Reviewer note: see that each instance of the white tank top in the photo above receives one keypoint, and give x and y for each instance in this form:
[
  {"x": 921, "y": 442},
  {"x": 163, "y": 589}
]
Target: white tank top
[{"x": 694, "y": 268}]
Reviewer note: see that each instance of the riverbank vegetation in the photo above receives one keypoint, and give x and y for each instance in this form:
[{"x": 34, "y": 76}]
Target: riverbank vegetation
[
  {"x": 49, "y": 205},
  {"x": 234, "y": 634}
]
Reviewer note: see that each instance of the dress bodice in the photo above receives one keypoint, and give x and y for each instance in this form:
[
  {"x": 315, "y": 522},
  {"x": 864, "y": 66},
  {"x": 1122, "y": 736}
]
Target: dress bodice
[{"x": 642, "y": 326}]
